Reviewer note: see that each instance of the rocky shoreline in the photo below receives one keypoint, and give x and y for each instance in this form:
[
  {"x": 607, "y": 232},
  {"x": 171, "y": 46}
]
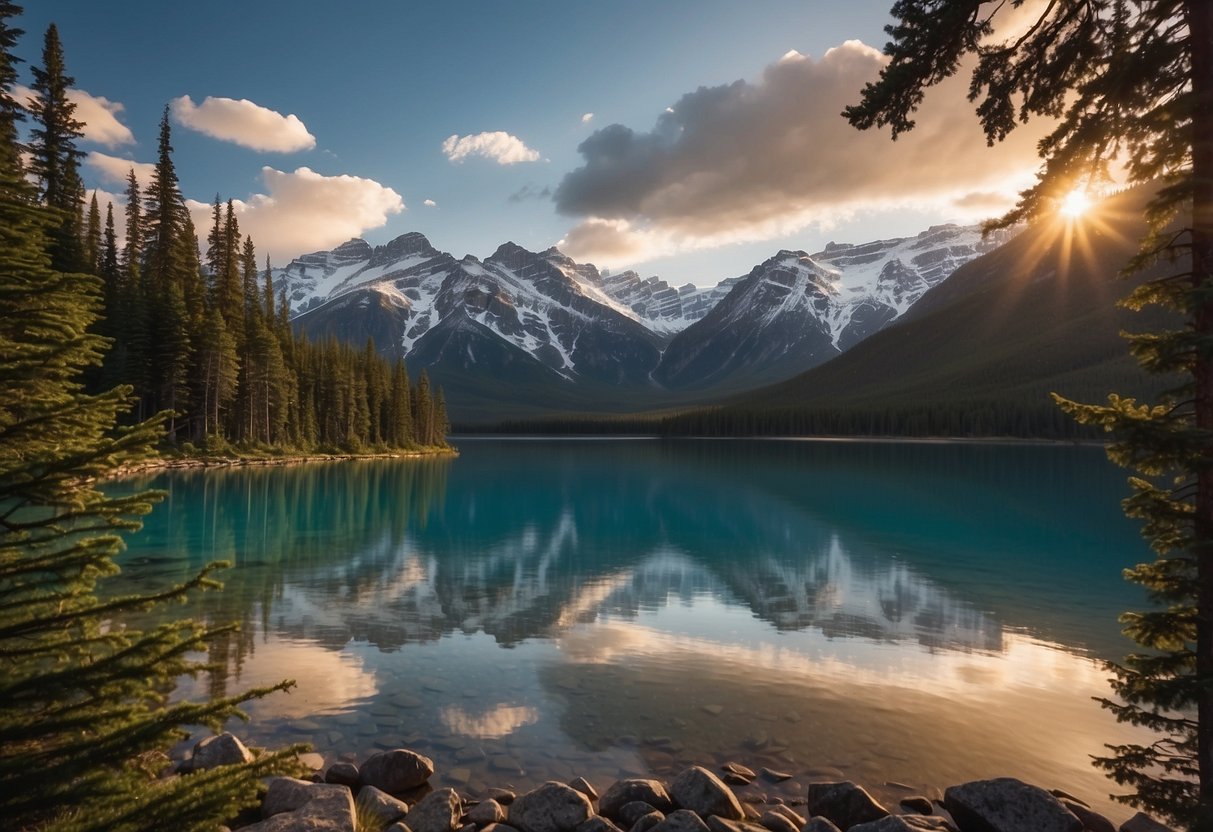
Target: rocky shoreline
[
  {"x": 153, "y": 466},
  {"x": 390, "y": 792}
]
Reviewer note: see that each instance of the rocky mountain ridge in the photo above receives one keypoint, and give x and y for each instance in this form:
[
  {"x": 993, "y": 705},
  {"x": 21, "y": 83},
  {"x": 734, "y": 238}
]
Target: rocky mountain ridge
[{"x": 541, "y": 318}]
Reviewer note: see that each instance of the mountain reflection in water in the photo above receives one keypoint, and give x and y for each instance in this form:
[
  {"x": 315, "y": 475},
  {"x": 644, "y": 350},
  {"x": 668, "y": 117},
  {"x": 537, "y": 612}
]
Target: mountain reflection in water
[{"x": 848, "y": 607}]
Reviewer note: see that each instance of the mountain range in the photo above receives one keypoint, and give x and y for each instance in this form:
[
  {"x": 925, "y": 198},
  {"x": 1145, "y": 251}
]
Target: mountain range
[{"x": 523, "y": 332}]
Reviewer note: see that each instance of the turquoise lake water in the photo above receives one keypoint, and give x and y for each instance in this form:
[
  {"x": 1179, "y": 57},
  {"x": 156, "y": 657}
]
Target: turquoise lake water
[{"x": 904, "y": 615}]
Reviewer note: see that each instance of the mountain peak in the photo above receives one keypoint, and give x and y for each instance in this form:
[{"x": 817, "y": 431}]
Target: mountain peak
[
  {"x": 410, "y": 244},
  {"x": 353, "y": 248}
]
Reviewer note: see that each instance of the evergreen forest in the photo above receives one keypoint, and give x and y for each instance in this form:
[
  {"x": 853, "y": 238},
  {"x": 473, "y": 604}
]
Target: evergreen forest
[{"x": 206, "y": 337}]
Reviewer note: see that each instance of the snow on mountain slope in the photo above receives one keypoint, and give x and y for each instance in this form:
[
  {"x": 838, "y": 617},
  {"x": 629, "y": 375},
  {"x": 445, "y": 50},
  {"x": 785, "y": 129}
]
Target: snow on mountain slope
[
  {"x": 796, "y": 310},
  {"x": 544, "y": 316},
  {"x": 405, "y": 291}
]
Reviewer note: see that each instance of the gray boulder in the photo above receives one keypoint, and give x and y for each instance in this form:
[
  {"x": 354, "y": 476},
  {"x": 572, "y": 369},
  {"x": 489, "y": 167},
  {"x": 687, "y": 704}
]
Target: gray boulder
[
  {"x": 286, "y": 794},
  {"x": 343, "y": 774},
  {"x": 553, "y": 807},
  {"x": 223, "y": 750},
  {"x": 582, "y": 785},
  {"x": 486, "y": 812},
  {"x": 647, "y": 822},
  {"x": 498, "y": 827},
  {"x": 379, "y": 804},
  {"x": 621, "y": 792},
  {"x": 683, "y": 820},
  {"x": 629, "y": 813},
  {"x": 820, "y": 824},
  {"x": 775, "y": 822},
  {"x": 702, "y": 792},
  {"x": 396, "y": 771},
  {"x": 317, "y": 807},
  {"x": 1092, "y": 821},
  {"x": 598, "y": 824},
  {"x": 843, "y": 803},
  {"x": 1005, "y": 804},
  {"x": 905, "y": 823},
  {"x": 789, "y": 813},
  {"x": 1141, "y": 822},
  {"x": 438, "y": 811}
]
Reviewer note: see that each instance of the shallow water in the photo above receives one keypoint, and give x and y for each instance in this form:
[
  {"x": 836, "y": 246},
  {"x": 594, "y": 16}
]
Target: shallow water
[{"x": 916, "y": 614}]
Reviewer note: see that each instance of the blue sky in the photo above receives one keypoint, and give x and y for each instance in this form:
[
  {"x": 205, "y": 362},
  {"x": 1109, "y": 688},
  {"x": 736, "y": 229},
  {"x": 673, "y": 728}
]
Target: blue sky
[{"x": 751, "y": 158}]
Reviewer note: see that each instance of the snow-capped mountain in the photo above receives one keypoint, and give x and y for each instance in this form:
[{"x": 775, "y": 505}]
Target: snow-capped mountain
[
  {"x": 514, "y": 315},
  {"x": 797, "y": 310},
  {"x": 541, "y": 317}
]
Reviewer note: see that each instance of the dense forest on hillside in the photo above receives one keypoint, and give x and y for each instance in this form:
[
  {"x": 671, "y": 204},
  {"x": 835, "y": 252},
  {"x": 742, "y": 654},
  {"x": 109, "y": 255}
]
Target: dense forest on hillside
[{"x": 207, "y": 338}]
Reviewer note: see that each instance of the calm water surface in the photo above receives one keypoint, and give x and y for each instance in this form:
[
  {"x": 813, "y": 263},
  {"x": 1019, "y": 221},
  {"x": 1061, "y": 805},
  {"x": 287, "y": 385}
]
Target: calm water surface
[{"x": 920, "y": 614}]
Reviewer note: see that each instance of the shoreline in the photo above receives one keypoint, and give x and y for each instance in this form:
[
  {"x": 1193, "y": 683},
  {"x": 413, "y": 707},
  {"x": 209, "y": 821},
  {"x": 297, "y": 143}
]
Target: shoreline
[
  {"x": 391, "y": 790},
  {"x": 169, "y": 463}
]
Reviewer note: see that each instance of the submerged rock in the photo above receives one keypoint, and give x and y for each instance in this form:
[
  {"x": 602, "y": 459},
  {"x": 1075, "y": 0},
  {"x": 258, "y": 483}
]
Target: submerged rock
[
  {"x": 843, "y": 803},
  {"x": 1007, "y": 805}
]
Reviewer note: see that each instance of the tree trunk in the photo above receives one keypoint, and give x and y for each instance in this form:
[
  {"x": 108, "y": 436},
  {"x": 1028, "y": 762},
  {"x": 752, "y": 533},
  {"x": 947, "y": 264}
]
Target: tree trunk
[{"x": 1200, "y": 25}]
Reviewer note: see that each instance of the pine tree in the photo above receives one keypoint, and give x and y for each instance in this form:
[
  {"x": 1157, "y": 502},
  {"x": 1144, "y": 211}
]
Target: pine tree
[
  {"x": 423, "y": 410},
  {"x": 1125, "y": 80},
  {"x": 442, "y": 424},
  {"x": 92, "y": 238},
  {"x": 109, "y": 248},
  {"x": 400, "y": 418},
  {"x": 54, "y": 157},
  {"x": 166, "y": 278},
  {"x": 132, "y": 249},
  {"x": 11, "y": 112}
]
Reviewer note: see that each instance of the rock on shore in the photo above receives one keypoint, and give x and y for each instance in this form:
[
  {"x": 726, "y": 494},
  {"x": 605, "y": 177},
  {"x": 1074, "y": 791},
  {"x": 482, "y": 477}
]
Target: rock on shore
[{"x": 390, "y": 791}]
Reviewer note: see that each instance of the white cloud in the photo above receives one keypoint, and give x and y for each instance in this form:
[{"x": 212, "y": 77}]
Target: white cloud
[
  {"x": 587, "y": 118},
  {"x": 429, "y": 203},
  {"x": 114, "y": 170},
  {"x": 756, "y": 160},
  {"x": 498, "y": 146},
  {"x": 306, "y": 211},
  {"x": 98, "y": 114},
  {"x": 244, "y": 123}
]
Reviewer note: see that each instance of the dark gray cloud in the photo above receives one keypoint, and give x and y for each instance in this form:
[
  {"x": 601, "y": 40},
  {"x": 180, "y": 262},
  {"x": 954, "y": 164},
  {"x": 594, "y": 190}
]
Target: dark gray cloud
[{"x": 751, "y": 160}]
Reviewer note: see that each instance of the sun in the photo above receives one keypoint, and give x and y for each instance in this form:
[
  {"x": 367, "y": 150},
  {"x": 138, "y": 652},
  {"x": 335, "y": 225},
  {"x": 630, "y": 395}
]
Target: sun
[{"x": 1075, "y": 204}]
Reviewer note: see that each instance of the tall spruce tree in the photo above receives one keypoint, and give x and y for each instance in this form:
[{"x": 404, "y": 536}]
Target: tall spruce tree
[
  {"x": 92, "y": 238},
  {"x": 11, "y": 112},
  {"x": 1125, "y": 80},
  {"x": 167, "y": 276},
  {"x": 84, "y": 710},
  {"x": 54, "y": 157}
]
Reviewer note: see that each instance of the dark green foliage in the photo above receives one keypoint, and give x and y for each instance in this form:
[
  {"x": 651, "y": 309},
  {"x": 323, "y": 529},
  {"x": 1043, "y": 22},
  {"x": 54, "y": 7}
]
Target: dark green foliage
[
  {"x": 1125, "y": 80},
  {"x": 85, "y": 715},
  {"x": 54, "y": 157}
]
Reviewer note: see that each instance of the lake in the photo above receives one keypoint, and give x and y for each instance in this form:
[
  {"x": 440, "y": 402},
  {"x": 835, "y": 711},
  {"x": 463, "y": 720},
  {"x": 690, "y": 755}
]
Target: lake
[{"x": 907, "y": 615}]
